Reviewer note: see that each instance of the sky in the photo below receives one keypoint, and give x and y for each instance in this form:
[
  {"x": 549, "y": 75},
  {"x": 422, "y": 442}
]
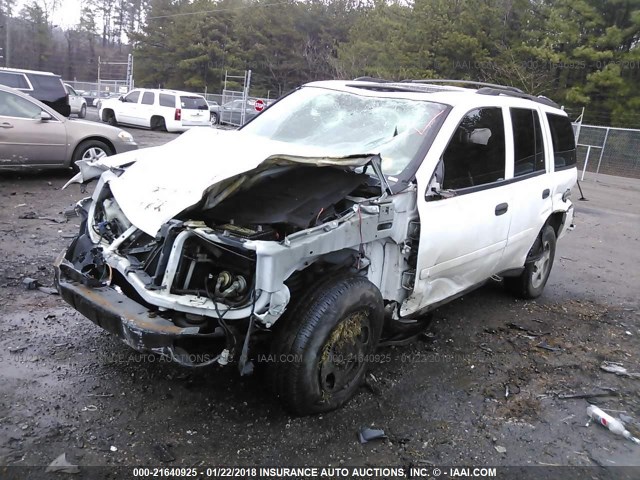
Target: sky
[{"x": 66, "y": 14}]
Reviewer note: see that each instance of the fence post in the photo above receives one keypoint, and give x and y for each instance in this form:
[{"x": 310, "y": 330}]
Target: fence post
[
  {"x": 604, "y": 144},
  {"x": 586, "y": 160}
]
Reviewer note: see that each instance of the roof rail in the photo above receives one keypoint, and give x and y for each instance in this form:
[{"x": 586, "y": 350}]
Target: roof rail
[
  {"x": 465, "y": 82},
  {"x": 520, "y": 94},
  {"x": 372, "y": 79}
]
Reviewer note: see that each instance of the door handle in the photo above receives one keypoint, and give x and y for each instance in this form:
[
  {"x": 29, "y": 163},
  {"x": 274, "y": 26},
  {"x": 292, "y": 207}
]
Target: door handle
[
  {"x": 545, "y": 193},
  {"x": 501, "y": 209},
  {"x": 6, "y": 125}
]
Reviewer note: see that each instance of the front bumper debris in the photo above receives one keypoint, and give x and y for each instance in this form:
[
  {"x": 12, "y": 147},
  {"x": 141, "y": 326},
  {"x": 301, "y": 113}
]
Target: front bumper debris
[{"x": 132, "y": 322}]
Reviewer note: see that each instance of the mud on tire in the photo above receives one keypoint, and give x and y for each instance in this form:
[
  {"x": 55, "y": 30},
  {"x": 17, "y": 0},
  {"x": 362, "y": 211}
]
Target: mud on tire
[{"x": 322, "y": 348}]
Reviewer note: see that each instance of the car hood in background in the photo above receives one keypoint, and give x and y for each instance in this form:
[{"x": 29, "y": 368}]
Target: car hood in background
[{"x": 168, "y": 179}]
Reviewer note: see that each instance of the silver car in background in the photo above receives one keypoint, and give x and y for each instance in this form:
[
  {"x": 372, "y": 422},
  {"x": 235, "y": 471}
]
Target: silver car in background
[
  {"x": 34, "y": 135},
  {"x": 77, "y": 103}
]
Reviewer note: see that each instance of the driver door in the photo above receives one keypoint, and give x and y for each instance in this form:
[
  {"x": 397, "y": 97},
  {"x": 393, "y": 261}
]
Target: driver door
[{"x": 464, "y": 230}]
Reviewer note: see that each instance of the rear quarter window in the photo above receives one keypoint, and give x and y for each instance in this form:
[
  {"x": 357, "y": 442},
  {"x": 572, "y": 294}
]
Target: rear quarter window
[
  {"x": 14, "y": 80},
  {"x": 48, "y": 83},
  {"x": 194, "y": 103},
  {"x": 167, "y": 100},
  {"x": 564, "y": 144}
]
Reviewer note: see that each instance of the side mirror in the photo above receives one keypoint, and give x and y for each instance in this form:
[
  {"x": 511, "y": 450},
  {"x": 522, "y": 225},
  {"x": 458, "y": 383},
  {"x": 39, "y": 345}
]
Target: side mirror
[
  {"x": 121, "y": 98},
  {"x": 44, "y": 116}
]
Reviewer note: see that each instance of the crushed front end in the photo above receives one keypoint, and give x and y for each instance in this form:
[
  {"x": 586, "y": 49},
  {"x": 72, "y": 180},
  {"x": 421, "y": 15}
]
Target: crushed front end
[{"x": 216, "y": 278}]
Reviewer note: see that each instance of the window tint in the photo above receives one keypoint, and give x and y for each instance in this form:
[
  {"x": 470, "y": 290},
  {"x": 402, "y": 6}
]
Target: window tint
[
  {"x": 527, "y": 142},
  {"x": 476, "y": 154},
  {"x": 564, "y": 144},
  {"x": 194, "y": 103},
  {"x": 47, "y": 83},
  {"x": 132, "y": 97},
  {"x": 167, "y": 100},
  {"x": 147, "y": 98},
  {"x": 15, "y": 106},
  {"x": 14, "y": 80}
]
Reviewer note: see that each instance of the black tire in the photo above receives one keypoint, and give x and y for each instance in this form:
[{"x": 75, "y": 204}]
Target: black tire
[
  {"x": 110, "y": 118},
  {"x": 84, "y": 151},
  {"x": 323, "y": 347},
  {"x": 158, "y": 123},
  {"x": 83, "y": 111},
  {"x": 533, "y": 279},
  {"x": 214, "y": 118}
]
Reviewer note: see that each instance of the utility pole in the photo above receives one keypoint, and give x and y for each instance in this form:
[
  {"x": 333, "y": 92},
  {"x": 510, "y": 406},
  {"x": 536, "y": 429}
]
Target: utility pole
[{"x": 7, "y": 32}]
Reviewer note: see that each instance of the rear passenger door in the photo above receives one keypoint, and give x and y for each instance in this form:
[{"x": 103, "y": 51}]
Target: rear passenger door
[
  {"x": 531, "y": 185},
  {"x": 563, "y": 154},
  {"x": 145, "y": 109},
  {"x": 464, "y": 231}
]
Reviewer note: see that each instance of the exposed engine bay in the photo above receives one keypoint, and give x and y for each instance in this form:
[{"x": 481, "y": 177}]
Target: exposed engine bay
[{"x": 225, "y": 270}]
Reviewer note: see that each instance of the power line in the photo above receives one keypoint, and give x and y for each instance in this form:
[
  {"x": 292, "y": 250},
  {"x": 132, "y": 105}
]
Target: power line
[{"x": 205, "y": 12}]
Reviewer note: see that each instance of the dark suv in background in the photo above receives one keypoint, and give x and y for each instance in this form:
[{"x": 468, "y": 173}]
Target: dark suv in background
[{"x": 44, "y": 86}]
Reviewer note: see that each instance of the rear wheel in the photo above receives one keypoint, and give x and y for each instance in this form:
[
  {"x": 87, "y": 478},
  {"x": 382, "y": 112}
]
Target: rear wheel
[
  {"x": 323, "y": 347},
  {"x": 533, "y": 279},
  {"x": 158, "y": 123},
  {"x": 214, "y": 118}
]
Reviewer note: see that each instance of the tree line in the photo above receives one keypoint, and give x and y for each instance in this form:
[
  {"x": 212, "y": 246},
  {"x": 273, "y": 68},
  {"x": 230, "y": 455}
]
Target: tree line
[{"x": 577, "y": 52}]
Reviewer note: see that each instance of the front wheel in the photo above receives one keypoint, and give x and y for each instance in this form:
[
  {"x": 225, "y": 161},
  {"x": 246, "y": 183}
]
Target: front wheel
[
  {"x": 533, "y": 279},
  {"x": 92, "y": 150},
  {"x": 322, "y": 349},
  {"x": 83, "y": 111},
  {"x": 110, "y": 118}
]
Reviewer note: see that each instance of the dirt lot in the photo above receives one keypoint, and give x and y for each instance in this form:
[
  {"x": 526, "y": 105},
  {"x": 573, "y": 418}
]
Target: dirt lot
[{"x": 491, "y": 372}]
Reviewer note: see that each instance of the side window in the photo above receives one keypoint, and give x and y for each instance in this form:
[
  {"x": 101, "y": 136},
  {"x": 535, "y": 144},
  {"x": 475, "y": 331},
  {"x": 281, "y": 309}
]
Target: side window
[
  {"x": 527, "y": 141},
  {"x": 70, "y": 90},
  {"x": 167, "y": 100},
  {"x": 14, "y": 80},
  {"x": 132, "y": 97},
  {"x": 14, "y": 106},
  {"x": 564, "y": 144},
  {"x": 475, "y": 154},
  {"x": 147, "y": 98}
]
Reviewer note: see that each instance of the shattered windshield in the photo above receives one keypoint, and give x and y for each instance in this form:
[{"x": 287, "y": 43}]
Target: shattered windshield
[{"x": 349, "y": 124}]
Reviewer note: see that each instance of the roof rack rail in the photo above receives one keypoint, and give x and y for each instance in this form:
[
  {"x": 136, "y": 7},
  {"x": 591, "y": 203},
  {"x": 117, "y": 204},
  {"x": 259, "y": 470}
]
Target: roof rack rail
[
  {"x": 372, "y": 79},
  {"x": 465, "y": 82},
  {"x": 520, "y": 94}
]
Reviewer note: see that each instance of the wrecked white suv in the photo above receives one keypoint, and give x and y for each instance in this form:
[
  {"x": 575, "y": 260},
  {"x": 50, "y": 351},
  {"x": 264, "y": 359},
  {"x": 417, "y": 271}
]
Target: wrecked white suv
[{"x": 336, "y": 218}]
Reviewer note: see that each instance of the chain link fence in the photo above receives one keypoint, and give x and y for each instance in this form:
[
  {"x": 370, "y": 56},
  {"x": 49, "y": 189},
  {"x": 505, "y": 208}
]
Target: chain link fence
[{"x": 608, "y": 150}]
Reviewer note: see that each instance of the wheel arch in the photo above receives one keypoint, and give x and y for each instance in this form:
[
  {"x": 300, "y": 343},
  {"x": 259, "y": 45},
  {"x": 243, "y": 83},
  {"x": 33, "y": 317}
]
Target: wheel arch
[
  {"x": 556, "y": 221},
  {"x": 92, "y": 137},
  {"x": 104, "y": 117},
  {"x": 153, "y": 125}
]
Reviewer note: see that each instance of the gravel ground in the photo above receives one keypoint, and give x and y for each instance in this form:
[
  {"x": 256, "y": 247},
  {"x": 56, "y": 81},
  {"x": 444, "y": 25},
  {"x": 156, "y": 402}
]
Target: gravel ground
[{"x": 488, "y": 384}]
